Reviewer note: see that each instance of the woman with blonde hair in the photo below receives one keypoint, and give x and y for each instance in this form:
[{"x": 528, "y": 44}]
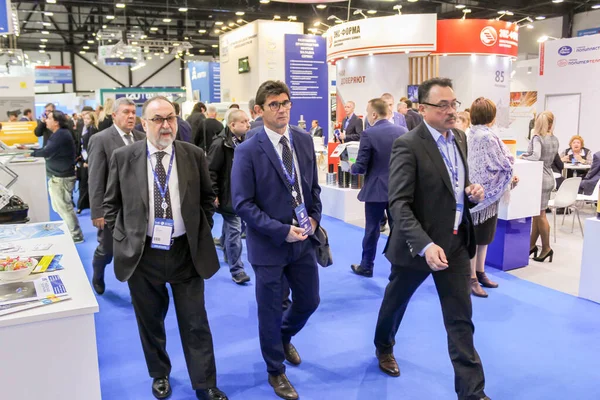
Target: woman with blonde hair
[
  {"x": 105, "y": 118},
  {"x": 543, "y": 147},
  {"x": 577, "y": 152},
  {"x": 463, "y": 122},
  {"x": 491, "y": 166}
]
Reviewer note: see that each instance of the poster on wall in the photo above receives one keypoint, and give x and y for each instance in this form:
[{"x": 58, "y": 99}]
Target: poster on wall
[
  {"x": 205, "y": 78},
  {"x": 5, "y": 17},
  {"x": 491, "y": 79},
  {"x": 306, "y": 75},
  {"x": 522, "y": 111}
]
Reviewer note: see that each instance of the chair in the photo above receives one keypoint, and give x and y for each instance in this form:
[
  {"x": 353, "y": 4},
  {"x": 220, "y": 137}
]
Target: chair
[
  {"x": 590, "y": 198},
  {"x": 566, "y": 197}
]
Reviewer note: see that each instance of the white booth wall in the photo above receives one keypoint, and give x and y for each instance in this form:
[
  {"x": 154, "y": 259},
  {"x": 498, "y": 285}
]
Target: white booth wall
[{"x": 263, "y": 42}]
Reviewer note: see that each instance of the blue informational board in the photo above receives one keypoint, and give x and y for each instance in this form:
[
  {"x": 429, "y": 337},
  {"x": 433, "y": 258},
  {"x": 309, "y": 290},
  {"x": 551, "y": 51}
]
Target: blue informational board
[
  {"x": 307, "y": 77},
  {"x": 205, "y": 78},
  {"x": 61, "y": 74},
  {"x": 5, "y": 16},
  {"x": 587, "y": 32}
]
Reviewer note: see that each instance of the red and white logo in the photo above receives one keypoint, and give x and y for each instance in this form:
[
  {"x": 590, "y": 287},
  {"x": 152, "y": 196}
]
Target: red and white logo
[
  {"x": 488, "y": 36},
  {"x": 562, "y": 63},
  {"x": 330, "y": 40}
]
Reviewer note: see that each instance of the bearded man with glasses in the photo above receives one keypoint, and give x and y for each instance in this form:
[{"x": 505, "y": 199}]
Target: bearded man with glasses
[
  {"x": 275, "y": 190},
  {"x": 429, "y": 193}
]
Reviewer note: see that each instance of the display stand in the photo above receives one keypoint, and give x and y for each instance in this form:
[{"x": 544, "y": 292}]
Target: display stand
[
  {"x": 341, "y": 203},
  {"x": 589, "y": 280},
  {"x": 50, "y": 352},
  {"x": 510, "y": 248}
]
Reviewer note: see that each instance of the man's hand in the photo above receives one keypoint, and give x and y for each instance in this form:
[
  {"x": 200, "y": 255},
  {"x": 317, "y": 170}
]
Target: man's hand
[
  {"x": 295, "y": 235},
  {"x": 342, "y": 136},
  {"x": 217, "y": 202},
  {"x": 98, "y": 223},
  {"x": 436, "y": 258},
  {"x": 475, "y": 193}
]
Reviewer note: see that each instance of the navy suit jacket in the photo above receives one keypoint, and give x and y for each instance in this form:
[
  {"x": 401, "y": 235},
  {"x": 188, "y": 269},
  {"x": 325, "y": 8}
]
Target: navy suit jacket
[
  {"x": 373, "y": 159},
  {"x": 354, "y": 128},
  {"x": 261, "y": 197},
  {"x": 399, "y": 120},
  {"x": 589, "y": 182}
]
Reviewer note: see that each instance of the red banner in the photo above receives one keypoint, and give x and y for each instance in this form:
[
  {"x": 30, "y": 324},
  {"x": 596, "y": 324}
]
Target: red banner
[{"x": 477, "y": 36}]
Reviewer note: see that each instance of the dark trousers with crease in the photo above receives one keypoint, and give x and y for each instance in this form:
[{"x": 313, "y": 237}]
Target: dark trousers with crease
[
  {"x": 454, "y": 291},
  {"x": 274, "y": 325},
  {"x": 103, "y": 254},
  {"x": 150, "y": 300},
  {"x": 374, "y": 212}
]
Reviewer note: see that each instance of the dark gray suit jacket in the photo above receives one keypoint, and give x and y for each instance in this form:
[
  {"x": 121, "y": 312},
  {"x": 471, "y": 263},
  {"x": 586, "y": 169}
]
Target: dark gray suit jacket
[
  {"x": 421, "y": 198},
  {"x": 100, "y": 149},
  {"x": 126, "y": 206}
]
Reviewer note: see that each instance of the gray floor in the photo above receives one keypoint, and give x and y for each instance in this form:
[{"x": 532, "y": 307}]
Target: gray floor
[{"x": 563, "y": 273}]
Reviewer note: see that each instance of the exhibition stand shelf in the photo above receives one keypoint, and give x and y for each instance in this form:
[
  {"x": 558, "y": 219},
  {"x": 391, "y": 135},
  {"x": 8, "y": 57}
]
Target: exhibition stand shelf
[
  {"x": 50, "y": 351},
  {"x": 589, "y": 280},
  {"x": 341, "y": 203},
  {"x": 510, "y": 248}
]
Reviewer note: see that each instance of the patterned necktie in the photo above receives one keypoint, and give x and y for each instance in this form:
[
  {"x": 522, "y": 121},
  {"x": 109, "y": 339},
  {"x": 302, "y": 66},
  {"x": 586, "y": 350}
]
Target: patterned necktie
[
  {"x": 288, "y": 162},
  {"x": 129, "y": 138},
  {"x": 162, "y": 178}
]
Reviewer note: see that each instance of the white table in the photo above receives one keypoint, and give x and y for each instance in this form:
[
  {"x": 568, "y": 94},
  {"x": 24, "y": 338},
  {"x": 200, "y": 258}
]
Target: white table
[
  {"x": 577, "y": 168},
  {"x": 589, "y": 280},
  {"x": 50, "y": 352},
  {"x": 31, "y": 186},
  {"x": 341, "y": 203}
]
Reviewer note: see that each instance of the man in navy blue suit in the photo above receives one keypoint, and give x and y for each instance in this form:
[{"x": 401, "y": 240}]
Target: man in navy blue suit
[
  {"x": 275, "y": 190},
  {"x": 373, "y": 160},
  {"x": 352, "y": 126}
]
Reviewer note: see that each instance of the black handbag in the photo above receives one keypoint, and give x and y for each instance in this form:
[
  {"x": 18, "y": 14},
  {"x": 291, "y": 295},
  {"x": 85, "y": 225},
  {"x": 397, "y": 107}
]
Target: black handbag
[{"x": 324, "y": 257}]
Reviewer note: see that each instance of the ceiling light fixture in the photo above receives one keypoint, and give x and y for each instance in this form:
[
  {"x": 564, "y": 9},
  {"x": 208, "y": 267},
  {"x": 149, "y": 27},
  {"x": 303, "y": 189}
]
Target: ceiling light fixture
[
  {"x": 42, "y": 51},
  {"x": 465, "y": 12},
  {"x": 90, "y": 41},
  {"x": 110, "y": 17},
  {"x": 51, "y": 1},
  {"x": 596, "y": 6},
  {"x": 154, "y": 29},
  {"x": 398, "y": 8},
  {"x": 265, "y": 1},
  {"x": 42, "y": 46},
  {"x": 104, "y": 26},
  {"x": 557, "y": 1},
  {"x": 540, "y": 18},
  {"x": 412, "y": 1},
  {"x": 321, "y": 6},
  {"x": 214, "y": 46},
  {"x": 82, "y": 52},
  {"x": 120, "y": 5},
  {"x": 202, "y": 51},
  {"x": 201, "y": 30},
  {"x": 45, "y": 33},
  {"x": 86, "y": 47},
  {"x": 183, "y": 9},
  {"x": 359, "y": 12},
  {"x": 239, "y": 13},
  {"x": 167, "y": 20},
  {"x": 43, "y": 40},
  {"x": 217, "y": 31},
  {"x": 337, "y": 20},
  {"x": 276, "y": 17},
  {"x": 460, "y": 6},
  {"x": 292, "y": 18},
  {"x": 372, "y": 12}
]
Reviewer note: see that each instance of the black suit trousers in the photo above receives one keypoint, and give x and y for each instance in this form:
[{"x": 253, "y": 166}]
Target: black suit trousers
[
  {"x": 104, "y": 252},
  {"x": 454, "y": 291},
  {"x": 150, "y": 300}
]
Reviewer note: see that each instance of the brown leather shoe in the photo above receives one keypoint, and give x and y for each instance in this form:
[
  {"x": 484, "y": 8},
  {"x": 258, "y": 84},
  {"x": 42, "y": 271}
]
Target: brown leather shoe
[
  {"x": 388, "y": 364},
  {"x": 282, "y": 386},
  {"x": 476, "y": 288},
  {"x": 291, "y": 354},
  {"x": 485, "y": 281}
]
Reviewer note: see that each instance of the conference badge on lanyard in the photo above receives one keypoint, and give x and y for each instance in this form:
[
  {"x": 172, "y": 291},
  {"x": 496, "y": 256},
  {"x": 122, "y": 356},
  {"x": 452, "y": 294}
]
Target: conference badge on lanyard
[
  {"x": 454, "y": 175},
  {"x": 162, "y": 231}
]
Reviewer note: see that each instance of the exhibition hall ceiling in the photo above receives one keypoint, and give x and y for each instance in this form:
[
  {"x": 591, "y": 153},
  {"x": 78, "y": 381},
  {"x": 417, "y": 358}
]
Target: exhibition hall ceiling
[{"x": 71, "y": 24}]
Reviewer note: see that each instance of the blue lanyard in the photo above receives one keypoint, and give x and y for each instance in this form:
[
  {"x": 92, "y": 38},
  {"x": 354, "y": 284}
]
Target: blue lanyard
[
  {"x": 290, "y": 178},
  {"x": 162, "y": 190},
  {"x": 453, "y": 168}
]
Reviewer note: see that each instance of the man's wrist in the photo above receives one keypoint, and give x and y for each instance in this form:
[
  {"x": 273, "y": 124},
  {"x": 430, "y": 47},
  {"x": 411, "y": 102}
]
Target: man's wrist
[{"x": 422, "y": 252}]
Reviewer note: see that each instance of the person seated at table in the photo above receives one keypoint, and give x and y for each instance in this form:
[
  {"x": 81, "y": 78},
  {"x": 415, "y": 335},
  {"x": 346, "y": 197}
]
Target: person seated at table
[
  {"x": 577, "y": 153},
  {"x": 588, "y": 183}
]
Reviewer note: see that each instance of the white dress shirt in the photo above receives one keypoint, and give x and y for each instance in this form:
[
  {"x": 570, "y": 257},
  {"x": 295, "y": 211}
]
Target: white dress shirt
[
  {"x": 123, "y": 135},
  {"x": 275, "y": 137},
  {"x": 173, "y": 183}
]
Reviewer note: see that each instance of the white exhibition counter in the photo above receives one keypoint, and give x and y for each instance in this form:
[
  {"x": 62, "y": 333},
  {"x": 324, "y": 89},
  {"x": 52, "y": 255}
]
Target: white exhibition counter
[
  {"x": 589, "y": 280},
  {"x": 50, "y": 352},
  {"x": 30, "y": 186},
  {"x": 526, "y": 197},
  {"x": 341, "y": 203}
]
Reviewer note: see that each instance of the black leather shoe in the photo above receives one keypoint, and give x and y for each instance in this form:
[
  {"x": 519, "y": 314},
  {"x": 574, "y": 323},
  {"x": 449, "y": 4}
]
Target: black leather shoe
[
  {"x": 291, "y": 354},
  {"x": 388, "y": 364},
  {"x": 99, "y": 286},
  {"x": 282, "y": 386},
  {"x": 211, "y": 394},
  {"x": 358, "y": 270},
  {"x": 161, "y": 388},
  {"x": 240, "y": 278}
]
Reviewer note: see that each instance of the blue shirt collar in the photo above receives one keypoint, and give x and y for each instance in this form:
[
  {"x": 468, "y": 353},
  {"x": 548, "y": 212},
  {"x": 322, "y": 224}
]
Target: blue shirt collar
[{"x": 436, "y": 135}]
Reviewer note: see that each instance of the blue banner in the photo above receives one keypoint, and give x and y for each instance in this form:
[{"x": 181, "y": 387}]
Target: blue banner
[
  {"x": 5, "y": 16},
  {"x": 587, "y": 32},
  {"x": 306, "y": 76},
  {"x": 205, "y": 78},
  {"x": 61, "y": 74}
]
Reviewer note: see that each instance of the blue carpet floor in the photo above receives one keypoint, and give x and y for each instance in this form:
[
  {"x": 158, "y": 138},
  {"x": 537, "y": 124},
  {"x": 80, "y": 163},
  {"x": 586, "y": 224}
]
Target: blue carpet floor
[{"x": 535, "y": 343}]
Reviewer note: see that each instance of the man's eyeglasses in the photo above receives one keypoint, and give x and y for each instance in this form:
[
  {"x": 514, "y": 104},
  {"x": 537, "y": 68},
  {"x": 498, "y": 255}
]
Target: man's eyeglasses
[
  {"x": 276, "y": 105},
  {"x": 445, "y": 106},
  {"x": 160, "y": 120}
]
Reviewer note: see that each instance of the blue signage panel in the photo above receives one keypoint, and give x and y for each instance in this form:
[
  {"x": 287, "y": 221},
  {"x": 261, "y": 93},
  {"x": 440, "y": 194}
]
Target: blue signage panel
[
  {"x": 206, "y": 81},
  {"x": 587, "y": 32},
  {"x": 306, "y": 76},
  {"x": 5, "y": 16},
  {"x": 61, "y": 74}
]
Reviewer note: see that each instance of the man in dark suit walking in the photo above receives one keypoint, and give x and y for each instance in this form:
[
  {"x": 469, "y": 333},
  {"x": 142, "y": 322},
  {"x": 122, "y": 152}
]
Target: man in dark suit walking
[
  {"x": 374, "y": 161},
  {"x": 159, "y": 207},
  {"x": 429, "y": 193},
  {"x": 100, "y": 149},
  {"x": 352, "y": 126},
  {"x": 281, "y": 214}
]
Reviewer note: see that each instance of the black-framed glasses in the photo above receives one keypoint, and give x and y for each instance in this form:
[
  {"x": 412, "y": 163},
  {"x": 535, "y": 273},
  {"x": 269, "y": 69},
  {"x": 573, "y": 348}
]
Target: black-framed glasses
[
  {"x": 445, "y": 106},
  {"x": 276, "y": 105},
  {"x": 161, "y": 120}
]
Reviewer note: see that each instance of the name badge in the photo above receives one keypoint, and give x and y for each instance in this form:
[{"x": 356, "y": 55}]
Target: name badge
[
  {"x": 457, "y": 219},
  {"x": 162, "y": 233},
  {"x": 303, "y": 220}
]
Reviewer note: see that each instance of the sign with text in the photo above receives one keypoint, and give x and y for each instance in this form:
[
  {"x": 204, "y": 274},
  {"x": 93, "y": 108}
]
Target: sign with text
[
  {"x": 205, "y": 78},
  {"x": 60, "y": 74},
  {"x": 141, "y": 96},
  {"x": 375, "y": 36},
  {"x": 306, "y": 75},
  {"x": 5, "y": 17},
  {"x": 588, "y": 32},
  {"x": 477, "y": 36}
]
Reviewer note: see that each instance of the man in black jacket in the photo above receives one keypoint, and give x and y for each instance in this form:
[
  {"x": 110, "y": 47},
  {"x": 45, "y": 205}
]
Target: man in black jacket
[
  {"x": 42, "y": 129},
  {"x": 208, "y": 129},
  {"x": 196, "y": 118},
  {"x": 220, "y": 161}
]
